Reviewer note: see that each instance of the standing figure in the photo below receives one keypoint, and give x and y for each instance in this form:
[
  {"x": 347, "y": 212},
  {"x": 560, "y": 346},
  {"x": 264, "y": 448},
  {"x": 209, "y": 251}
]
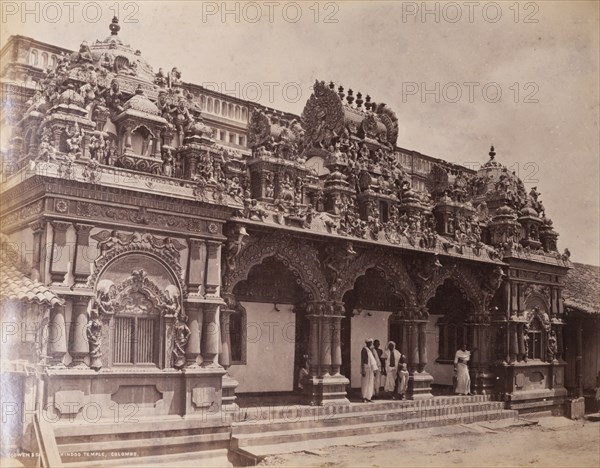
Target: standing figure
[
  {"x": 461, "y": 369},
  {"x": 368, "y": 364},
  {"x": 377, "y": 352},
  {"x": 391, "y": 358},
  {"x": 402, "y": 380}
]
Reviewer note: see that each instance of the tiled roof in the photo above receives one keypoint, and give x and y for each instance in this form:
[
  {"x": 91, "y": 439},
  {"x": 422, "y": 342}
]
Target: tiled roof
[
  {"x": 16, "y": 285},
  {"x": 582, "y": 288}
]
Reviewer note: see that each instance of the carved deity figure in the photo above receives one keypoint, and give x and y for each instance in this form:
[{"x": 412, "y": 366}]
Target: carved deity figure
[
  {"x": 74, "y": 140},
  {"x": 181, "y": 336},
  {"x": 552, "y": 348},
  {"x": 93, "y": 333}
]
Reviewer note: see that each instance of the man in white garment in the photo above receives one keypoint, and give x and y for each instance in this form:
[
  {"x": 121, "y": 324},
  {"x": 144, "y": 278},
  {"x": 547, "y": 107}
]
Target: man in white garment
[
  {"x": 391, "y": 357},
  {"x": 367, "y": 370},
  {"x": 377, "y": 352},
  {"x": 461, "y": 369}
]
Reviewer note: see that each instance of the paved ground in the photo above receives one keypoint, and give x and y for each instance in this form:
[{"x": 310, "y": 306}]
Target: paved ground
[{"x": 553, "y": 442}]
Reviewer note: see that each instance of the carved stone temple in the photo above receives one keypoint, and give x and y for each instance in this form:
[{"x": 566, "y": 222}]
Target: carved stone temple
[{"x": 191, "y": 246}]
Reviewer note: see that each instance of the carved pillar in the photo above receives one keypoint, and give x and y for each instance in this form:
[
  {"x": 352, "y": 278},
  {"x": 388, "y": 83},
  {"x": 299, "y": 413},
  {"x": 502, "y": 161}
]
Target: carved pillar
[
  {"x": 196, "y": 266},
  {"x": 82, "y": 256},
  {"x": 513, "y": 340},
  {"x": 413, "y": 345},
  {"x": 313, "y": 345},
  {"x": 127, "y": 141},
  {"x": 157, "y": 147},
  {"x": 579, "y": 357},
  {"x": 419, "y": 386},
  {"x": 79, "y": 346},
  {"x": 213, "y": 273},
  {"x": 522, "y": 354},
  {"x": 60, "y": 252},
  {"x": 225, "y": 354},
  {"x": 336, "y": 345},
  {"x": 38, "y": 229},
  {"x": 192, "y": 350},
  {"x": 325, "y": 345},
  {"x": 57, "y": 337},
  {"x": 422, "y": 346},
  {"x": 210, "y": 336},
  {"x": 325, "y": 384},
  {"x": 560, "y": 343}
]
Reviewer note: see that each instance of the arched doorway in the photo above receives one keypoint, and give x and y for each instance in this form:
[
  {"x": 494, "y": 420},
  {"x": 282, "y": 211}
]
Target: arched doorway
[
  {"x": 371, "y": 309},
  {"x": 268, "y": 332},
  {"x": 446, "y": 331}
]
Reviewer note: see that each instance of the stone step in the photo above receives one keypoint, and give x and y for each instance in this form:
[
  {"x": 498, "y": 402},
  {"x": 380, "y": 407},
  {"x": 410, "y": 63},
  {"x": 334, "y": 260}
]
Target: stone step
[
  {"x": 254, "y": 454},
  {"x": 146, "y": 445},
  {"x": 207, "y": 458},
  {"x": 139, "y": 428},
  {"x": 269, "y": 412},
  {"x": 387, "y": 414},
  {"x": 295, "y": 435}
]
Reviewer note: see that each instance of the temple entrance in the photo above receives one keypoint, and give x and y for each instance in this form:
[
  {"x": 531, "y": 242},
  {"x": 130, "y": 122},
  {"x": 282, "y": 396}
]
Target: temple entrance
[
  {"x": 269, "y": 334},
  {"x": 371, "y": 309},
  {"x": 447, "y": 331}
]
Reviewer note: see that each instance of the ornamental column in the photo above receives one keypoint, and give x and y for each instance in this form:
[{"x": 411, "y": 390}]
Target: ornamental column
[
  {"x": 60, "y": 254},
  {"x": 210, "y": 337},
  {"x": 213, "y": 274},
  {"x": 228, "y": 384},
  {"x": 325, "y": 360},
  {"x": 513, "y": 340},
  {"x": 225, "y": 354},
  {"x": 336, "y": 344},
  {"x": 419, "y": 386},
  {"x": 79, "y": 347},
  {"x": 82, "y": 257},
  {"x": 422, "y": 346},
  {"x": 313, "y": 344},
  {"x": 196, "y": 266},
  {"x": 192, "y": 350},
  {"x": 57, "y": 337}
]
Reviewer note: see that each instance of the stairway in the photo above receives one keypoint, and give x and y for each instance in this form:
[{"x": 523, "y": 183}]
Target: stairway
[
  {"x": 268, "y": 431},
  {"x": 168, "y": 442}
]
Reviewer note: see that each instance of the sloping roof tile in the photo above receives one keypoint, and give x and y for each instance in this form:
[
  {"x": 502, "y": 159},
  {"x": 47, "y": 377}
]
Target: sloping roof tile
[
  {"x": 582, "y": 288},
  {"x": 15, "y": 285}
]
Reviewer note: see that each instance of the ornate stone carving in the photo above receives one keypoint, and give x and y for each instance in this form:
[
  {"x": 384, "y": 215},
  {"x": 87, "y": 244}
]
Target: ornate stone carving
[
  {"x": 299, "y": 256},
  {"x": 114, "y": 243},
  {"x": 323, "y": 116}
]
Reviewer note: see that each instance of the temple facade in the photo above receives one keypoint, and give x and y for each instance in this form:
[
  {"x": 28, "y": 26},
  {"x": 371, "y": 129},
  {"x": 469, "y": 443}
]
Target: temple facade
[{"x": 201, "y": 246}]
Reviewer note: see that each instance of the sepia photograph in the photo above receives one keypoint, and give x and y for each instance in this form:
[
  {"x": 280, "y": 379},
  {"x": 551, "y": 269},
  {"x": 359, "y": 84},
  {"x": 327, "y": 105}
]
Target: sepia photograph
[{"x": 300, "y": 233}]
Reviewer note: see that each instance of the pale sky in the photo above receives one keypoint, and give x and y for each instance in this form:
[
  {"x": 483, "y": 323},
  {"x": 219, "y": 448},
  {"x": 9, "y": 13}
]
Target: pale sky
[{"x": 543, "y": 56}]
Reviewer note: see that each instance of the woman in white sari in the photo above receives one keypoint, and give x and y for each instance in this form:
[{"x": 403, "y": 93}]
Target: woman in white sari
[{"x": 463, "y": 380}]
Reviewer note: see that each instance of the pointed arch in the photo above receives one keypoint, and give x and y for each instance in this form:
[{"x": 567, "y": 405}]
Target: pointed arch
[
  {"x": 394, "y": 272},
  {"x": 300, "y": 257},
  {"x": 464, "y": 279}
]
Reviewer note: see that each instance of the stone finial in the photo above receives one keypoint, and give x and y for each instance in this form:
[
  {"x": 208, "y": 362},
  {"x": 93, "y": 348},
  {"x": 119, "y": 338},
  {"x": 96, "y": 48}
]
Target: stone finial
[
  {"x": 350, "y": 97},
  {"x": 359, "y": 100},
  {"x": 341, "y": 92},
  {"x": 492, "y": 153},
  {"x": 114, "y": 26}
]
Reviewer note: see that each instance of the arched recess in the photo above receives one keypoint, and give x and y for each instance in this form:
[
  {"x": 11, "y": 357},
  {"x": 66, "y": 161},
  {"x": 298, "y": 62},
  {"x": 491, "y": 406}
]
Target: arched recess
[
  {"x": 466, "y": 281},
  {"x": 300, "y": 257},
  {"x": 268, "y": 328},
  {"x": 392, "y": 269},
  {"x": 374, "y": 306}
]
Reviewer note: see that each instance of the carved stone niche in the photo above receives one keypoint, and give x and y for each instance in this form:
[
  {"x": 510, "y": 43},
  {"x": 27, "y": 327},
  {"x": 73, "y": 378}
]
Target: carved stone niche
[{"x": 140, "y": 311}]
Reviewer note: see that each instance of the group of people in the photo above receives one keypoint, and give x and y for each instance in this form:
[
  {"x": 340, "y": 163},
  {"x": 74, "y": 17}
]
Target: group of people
[{"x": 382, "y": 368}]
